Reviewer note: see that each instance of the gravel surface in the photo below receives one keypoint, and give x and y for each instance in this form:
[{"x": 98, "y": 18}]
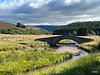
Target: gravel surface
[{"x": 72, "y": 50}]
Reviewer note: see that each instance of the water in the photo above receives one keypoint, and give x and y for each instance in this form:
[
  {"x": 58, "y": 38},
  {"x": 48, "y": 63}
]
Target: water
[
  {"x": 72, "y": 41},
  {"x": 74, "y": 57}
]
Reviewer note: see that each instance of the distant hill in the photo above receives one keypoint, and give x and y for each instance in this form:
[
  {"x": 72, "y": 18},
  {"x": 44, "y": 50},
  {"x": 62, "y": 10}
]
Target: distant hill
[
  {"x": 73, "y": 28},
  {"x": 6, "y": 25},
  {"x": 8, "y": 28},
  {"x": 48, "y": 28}
]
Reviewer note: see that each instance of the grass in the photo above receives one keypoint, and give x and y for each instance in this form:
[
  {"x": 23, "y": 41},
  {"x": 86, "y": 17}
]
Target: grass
[
  {"x": 91, "y": 46},
  {"x": 65, "y": 41},
  {"x": 5, "y": 46},
  {"x": 87, "y": 65},
  {"x": 17, "y": 61},
  {"x": 84, "y": 66},
  {"x": 21, "y": 45},
  {"x": 14, "y": 60},
  {"x": 32, "y": 43},
  {"x": 25, "y": 37}
]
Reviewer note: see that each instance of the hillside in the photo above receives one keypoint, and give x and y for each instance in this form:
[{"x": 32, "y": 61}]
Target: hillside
[
  {"x": 6, "y": 25},
  {"x": 8, "y": 28},
  {"x": 73, "y": 27},
  {"x": 48, "y": 28},
  {"x": 32, "y": 27}
]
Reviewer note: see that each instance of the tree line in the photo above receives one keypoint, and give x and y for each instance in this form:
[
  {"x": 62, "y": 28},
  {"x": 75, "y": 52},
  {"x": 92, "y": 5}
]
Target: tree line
[{"x": 79, "y": 28}]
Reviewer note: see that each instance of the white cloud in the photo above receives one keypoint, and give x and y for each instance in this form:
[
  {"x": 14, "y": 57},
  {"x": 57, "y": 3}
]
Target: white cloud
[
  {"x": 71, "y": 2},
  {"x": 39, "y": 3}
]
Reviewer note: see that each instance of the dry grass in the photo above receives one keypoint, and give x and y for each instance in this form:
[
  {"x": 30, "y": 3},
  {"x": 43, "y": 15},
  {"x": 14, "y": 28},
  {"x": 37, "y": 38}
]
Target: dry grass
[
  {"x": 25, "y": 36},
  {"x": 95, "y": 37},
  {"x": 90, "y": 46}
]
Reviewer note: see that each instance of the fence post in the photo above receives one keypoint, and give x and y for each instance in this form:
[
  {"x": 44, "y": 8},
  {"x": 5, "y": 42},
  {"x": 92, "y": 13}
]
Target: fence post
[
  {"x": 29, "y": 38},
  {"x": 23, "y": 38},
  {"x": 2, "y": 38},
  {"x": 7, "y": 39}
]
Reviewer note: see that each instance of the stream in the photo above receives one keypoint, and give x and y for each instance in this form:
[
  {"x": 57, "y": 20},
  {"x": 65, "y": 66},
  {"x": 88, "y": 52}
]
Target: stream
[{"x": 71, "y": 48}]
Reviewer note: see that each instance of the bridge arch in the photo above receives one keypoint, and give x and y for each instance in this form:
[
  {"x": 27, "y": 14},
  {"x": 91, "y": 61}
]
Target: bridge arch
[{"x": 55, "y": 40}]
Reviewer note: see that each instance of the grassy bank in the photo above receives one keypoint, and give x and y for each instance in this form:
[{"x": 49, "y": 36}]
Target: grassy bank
[
  {"x": 91, "y": 46},
  {"x": 17, "y": 61},
  {"x": 21, "y": 45},
  {"x": 65, "y": 41},
  {"x": 88, "y": 65},
  {"x": 5, "y": 46}
]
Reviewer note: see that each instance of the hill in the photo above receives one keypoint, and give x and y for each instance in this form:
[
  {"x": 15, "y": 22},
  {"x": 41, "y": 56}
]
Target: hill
[
  {"x": 8, "y": 28},
  {"x": 6, "y": 25},
  {"x": 32, "y": 27},
  {"x": 74, "y": 27},
  {"x": 48, "y": 28}
]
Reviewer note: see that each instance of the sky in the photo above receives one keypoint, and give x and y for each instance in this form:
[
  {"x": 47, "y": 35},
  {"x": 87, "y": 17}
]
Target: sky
[{"x": 49, "y": 12}]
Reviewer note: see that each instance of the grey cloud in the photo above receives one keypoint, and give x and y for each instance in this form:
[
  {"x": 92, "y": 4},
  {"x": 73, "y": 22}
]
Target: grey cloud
[{"x": 55, "y": 12}]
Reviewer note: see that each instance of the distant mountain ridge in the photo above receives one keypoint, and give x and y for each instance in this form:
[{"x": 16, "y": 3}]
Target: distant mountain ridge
[{"x": 48, "y": 28}]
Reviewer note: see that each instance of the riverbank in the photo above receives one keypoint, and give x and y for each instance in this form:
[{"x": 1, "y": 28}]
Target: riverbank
[
  {"x": 87, "y": 65},
  {"x": 90, "y": 47},
  {"x": 62, "y": 48},
  {"x": 57, "y": 65}
]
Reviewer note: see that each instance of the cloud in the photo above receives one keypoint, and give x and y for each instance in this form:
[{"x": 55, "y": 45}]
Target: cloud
[{"x": 54, "y": 12}]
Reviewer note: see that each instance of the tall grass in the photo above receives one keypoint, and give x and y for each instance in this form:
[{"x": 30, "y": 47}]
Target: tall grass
[
  {"x": 16, "y": 61},
  {"x": 91, "y": 46},
  {"x": 5, "y": 46},
  {"x": 20, "y": 45},
  {"x": 88, "y": 65}
]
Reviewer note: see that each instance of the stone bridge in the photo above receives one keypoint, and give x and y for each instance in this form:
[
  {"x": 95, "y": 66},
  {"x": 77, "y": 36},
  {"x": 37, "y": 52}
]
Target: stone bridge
[{"x": 56, "y": 39}]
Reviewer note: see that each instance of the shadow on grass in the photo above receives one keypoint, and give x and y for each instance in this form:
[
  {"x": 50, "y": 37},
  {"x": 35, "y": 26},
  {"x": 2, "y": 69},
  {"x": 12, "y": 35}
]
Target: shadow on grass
[{"x": 88, "y": 69}]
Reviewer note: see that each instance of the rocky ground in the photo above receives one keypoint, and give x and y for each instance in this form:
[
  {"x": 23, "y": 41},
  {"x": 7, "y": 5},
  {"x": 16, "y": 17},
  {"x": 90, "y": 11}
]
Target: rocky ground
[{"x": 70, "y": 49}]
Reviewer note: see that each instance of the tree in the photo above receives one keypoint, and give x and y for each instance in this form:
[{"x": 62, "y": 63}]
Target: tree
[
  {"x": 66, "y": 29},
  {"x": 82, "y": 32},
  {"x": 74, "y": 33},
  {"x": 97, "y": 32},
  {"x": 70, "y": 34},
  {"x": 92, "y": 32},
  {"x": 20, "y": 25}
]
